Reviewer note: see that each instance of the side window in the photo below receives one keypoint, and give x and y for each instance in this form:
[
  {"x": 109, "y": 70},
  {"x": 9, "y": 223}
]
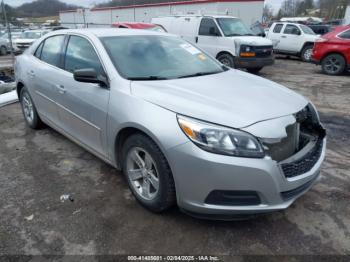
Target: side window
[
  {"x": 37, "y": 53},
  {"x": 51, "y": 51},
  {"x": 80, "y": 54},
  {"x": 292, "y": 30},
  {"x": 345, "y": 35},
  {"x": 277, "y": 29},
  {"x": 208, "y": 27}
]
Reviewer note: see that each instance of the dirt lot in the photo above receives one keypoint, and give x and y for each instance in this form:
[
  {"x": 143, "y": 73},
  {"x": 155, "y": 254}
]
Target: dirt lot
[{"x": 36, "y": 168}]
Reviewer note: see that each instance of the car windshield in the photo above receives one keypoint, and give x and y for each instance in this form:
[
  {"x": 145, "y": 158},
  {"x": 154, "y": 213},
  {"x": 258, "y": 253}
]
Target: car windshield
[
  {"x": 158, "y": 58},
  {"x": 307, "y": 30},
  {"x": 233, "y": 27},
  {"x": 31, "y": 35}
]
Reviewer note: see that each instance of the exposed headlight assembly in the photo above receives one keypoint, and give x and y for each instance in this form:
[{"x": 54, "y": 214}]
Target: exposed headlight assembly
[
  {"x": 220, "y": 140},
  {"x": 246, "y": 51}
]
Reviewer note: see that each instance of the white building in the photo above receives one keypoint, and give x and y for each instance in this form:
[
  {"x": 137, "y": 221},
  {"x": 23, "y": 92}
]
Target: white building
[
  {"x": 249, "y": 11},
  {"x": 347, "y": 15}
]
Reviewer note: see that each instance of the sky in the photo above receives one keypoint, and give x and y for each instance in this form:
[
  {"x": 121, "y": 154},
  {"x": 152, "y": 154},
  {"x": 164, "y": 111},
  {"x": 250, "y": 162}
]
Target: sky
[{"x": 275, "y": 3}]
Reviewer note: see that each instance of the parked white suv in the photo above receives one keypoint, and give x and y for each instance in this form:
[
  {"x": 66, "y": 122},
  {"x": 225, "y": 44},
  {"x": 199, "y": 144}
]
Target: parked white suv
[
  {"x": 224, "y": 37},
  {"x": 292, "y": 39}
]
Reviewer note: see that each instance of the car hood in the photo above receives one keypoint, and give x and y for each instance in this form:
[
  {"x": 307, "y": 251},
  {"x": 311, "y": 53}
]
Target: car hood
[
  {"x": 232, "y": 98},
  {"x": 252, "y": 40},
  {"x": 23, "y": 41}
]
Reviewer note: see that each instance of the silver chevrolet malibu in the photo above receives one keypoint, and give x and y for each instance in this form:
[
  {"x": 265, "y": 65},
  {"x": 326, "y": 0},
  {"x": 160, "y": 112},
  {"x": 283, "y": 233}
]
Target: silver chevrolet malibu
[{"x": 182, "y": 127}]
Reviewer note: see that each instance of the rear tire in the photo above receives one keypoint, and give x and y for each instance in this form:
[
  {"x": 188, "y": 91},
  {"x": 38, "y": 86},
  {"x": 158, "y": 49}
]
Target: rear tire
[
  {"x": 227, "y": 60},
  {"x": 151, "y": 180},
  {"x": 333, "y": 64},
  {"x": 306, "y": 53},
  {"x": 30, "y": 113},
  {"x": 255, "y": 70}
]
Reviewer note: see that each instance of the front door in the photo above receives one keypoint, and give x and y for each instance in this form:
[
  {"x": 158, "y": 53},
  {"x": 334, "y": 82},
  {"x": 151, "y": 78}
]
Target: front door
[
  {"x": 83, "y": 107},
  {"x": 208, "y": 36},
  {"x": 291, "y": 39}
]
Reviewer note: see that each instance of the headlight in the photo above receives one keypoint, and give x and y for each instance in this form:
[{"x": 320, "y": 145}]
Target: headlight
[
  {"x": 220, "y": 140},
  {"x": 246, "y": 51}
]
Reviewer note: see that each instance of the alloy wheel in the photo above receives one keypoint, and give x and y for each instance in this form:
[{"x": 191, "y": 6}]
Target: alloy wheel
[
  {"x": 332, "y": 65},
  {"x": 307, "y": 54},
  {"x": 142, "y": 173},
  {"x": 28, "y": 108}
]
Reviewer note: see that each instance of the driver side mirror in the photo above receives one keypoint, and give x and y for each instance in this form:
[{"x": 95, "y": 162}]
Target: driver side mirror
[{"x": 89, "y": 75}]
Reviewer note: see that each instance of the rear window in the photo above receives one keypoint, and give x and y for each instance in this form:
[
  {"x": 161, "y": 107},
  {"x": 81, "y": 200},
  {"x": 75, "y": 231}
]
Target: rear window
[
  {"x": 51, "y": 51},
  {"x": 277, "y": 28}
]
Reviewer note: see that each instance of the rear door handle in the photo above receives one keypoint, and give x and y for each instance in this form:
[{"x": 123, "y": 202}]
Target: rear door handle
[{"x": 61, "y": 89}]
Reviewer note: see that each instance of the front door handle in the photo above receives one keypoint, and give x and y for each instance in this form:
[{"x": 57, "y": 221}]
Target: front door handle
[
  {"x": 61, "y": 89},
  {"x": 283, "y": 36}
]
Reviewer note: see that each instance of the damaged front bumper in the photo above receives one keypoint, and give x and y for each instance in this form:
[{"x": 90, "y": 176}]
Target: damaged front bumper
[{"x": 221, "y": 187}]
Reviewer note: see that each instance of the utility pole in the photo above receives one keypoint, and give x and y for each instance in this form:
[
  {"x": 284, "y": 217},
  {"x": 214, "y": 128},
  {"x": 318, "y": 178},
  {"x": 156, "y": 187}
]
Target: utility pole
[{"x": 8, "y": 30}]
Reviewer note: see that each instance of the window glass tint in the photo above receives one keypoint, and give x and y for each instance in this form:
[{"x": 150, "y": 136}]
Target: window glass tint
[
  {"x": 291, "y": 30},
  {"x": 52, "y": 50},
  {"x": 81, "y": 55},
  {"x": 205, "y": 26},
  {"x": 158, "y": 56},
  {"x": 233, "y": 27},
  {"x": 38, "y": 50},
  {"x": 277, "y": 28},
  {"x": 307, "y": 30},
  {"x": 345, "y": 34}
]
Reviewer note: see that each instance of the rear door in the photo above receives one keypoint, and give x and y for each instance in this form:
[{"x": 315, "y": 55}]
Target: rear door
[
  {"x": 208, "y": 36},
  {"x": 44, "y": 76},
  {"x": 83, "y": 107}
]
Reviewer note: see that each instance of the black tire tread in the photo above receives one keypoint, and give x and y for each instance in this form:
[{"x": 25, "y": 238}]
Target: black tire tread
[{"x": 170, "y": 195}]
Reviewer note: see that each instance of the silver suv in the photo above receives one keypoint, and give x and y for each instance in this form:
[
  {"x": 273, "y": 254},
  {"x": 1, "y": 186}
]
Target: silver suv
[{"x": 183, "y": 128}]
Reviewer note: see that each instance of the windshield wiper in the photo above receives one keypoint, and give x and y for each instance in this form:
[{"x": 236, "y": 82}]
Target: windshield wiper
[
  {"x": 234, "y": 35},
  {"x": 145, "y": 78},
  {"x": 200, "y": 74}
]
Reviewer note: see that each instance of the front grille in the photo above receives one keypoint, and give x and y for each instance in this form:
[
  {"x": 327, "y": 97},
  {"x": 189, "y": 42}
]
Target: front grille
[
  {"x": 305, "y": 164},
  {"x": 263, "y": 51},
  {"x": 305, "y": 132}
]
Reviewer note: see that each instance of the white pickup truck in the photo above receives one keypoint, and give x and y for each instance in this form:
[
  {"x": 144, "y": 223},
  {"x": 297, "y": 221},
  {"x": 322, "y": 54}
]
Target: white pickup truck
[
  {"x": 292, "y": 39},
  {"x": 224, "y": 37}
]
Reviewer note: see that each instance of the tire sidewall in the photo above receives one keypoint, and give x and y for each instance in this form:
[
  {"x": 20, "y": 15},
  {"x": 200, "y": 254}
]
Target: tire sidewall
[
  {"x": 304, "y": 51},
  {"x": 342, "y": 60},
  {"x": 157, "y": 204},
  {"x": 229, "y": 57},
  {"x": 36, "y": 121}
]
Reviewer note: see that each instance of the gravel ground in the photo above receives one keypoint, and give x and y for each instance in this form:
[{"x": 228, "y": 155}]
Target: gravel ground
[{"x": 37, "y": 167}]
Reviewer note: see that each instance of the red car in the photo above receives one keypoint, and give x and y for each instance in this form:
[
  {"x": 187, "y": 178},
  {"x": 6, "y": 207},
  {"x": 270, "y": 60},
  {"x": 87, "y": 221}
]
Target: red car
[
  {"x": 137, "y": 25},
  {"x": 332, "y": 51}
]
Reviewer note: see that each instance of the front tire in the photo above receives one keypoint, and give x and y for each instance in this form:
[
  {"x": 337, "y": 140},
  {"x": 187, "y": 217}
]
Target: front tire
[
  {"x": 306, "y": 53},
  {"x": 148, "y": 173},
  {"x": 227, "y": 60},
  {"x": 333, "y": 64},
  {"x": 29, "y": 111}
]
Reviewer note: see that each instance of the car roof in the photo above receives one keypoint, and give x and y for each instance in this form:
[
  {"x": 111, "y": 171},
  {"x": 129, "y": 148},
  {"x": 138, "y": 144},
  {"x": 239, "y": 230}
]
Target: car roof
[{"x": 107, "y": 32}]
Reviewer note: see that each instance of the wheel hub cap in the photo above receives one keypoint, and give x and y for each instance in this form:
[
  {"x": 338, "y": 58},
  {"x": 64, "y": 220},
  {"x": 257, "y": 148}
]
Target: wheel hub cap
[{"x": 142, "y": 173}]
